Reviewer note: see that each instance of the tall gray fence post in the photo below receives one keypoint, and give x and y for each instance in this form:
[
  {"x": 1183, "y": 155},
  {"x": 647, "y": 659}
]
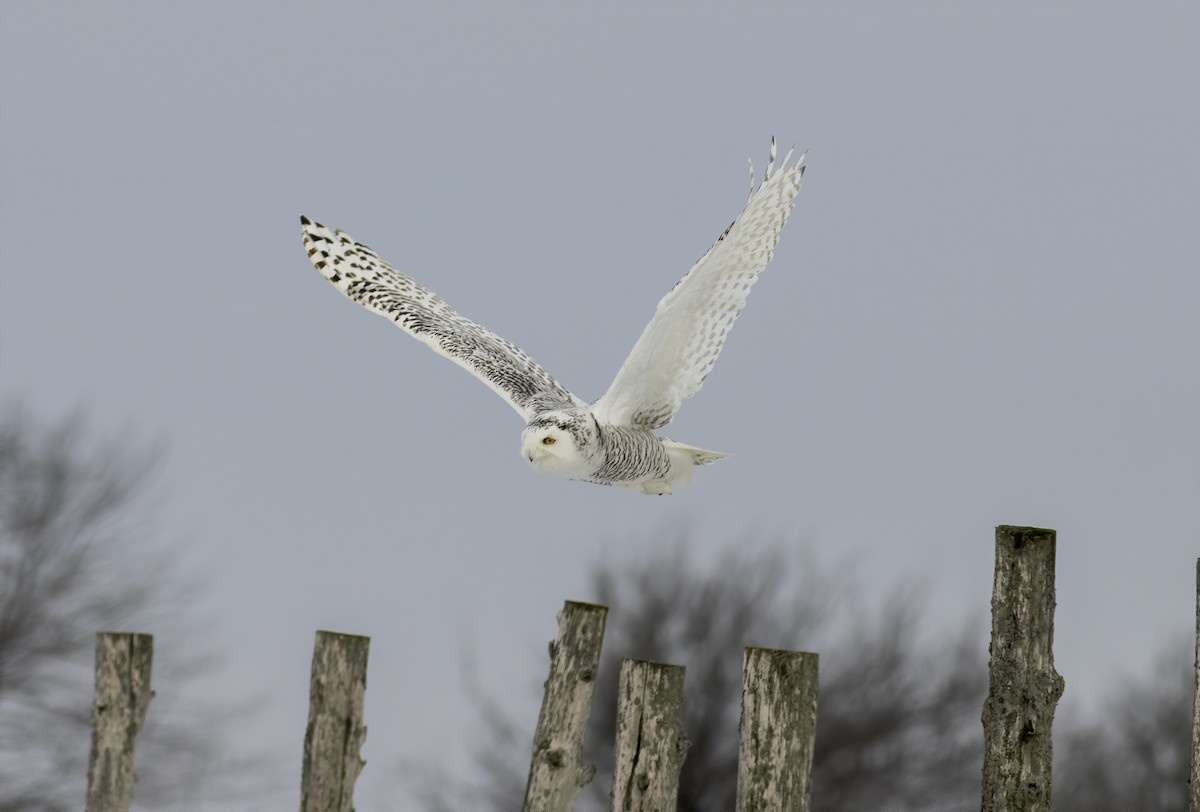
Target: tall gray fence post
[
  {"x": 335, "y": 732},
  {"x": 557, "y": 771},
  {"x": 778, "y": 727},
  {"x": 119, "y": 701},
  {"x": 1023, "y": 687},
  {"x": 651, "y": 745},
  {"x": 1194, "y": 777}
]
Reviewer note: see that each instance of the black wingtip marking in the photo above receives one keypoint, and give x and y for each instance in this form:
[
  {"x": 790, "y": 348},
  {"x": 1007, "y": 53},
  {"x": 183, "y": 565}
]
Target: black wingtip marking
[{"x": 304, "y": 221}]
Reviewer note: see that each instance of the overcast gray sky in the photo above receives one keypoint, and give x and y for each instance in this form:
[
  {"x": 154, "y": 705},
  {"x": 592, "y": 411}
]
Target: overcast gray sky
[{"x": 983, "y": 311}]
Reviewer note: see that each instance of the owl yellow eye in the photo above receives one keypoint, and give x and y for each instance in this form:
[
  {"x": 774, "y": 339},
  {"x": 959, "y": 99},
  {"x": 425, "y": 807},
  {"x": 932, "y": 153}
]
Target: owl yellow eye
[{"x": 548, "y": 441}]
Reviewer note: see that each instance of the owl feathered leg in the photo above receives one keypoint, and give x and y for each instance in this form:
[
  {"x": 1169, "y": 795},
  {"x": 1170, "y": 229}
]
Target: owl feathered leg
[{"x": 683, "y": 459}]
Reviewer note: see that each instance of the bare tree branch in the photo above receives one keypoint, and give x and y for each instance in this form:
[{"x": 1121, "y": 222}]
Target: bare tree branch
[
  {"x": 1135, "y": 752},
  {"x": 898, "y": 725},
  {"x": 77, "y": 556},
  {"x": 899, "y": 719}
]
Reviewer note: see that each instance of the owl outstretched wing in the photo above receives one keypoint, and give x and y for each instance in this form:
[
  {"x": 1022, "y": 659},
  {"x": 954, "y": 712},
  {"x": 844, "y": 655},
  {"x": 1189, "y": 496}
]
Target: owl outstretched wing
[
  {"x": 361, "y": 275},
  {"x": 681, "y": 343}
]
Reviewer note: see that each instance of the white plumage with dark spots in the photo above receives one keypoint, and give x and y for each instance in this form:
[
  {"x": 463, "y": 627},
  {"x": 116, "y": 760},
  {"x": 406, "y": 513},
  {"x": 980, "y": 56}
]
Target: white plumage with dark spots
[{"x": 610, "y": 441}]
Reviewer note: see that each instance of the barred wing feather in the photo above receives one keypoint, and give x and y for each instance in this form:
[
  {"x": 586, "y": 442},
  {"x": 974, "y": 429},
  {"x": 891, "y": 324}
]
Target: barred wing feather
[
  {"x": 359, "y": 273},
  {"x": 679, "y": 346}
]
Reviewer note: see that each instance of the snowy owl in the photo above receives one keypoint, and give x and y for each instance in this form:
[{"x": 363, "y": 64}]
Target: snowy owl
[{"x": 612, "y": 440}]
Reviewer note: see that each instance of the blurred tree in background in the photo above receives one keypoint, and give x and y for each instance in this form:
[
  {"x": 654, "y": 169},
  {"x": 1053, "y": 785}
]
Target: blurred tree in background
[
  {"x": 898, "y": 714},
  {"x": 75, "y": 559},
  {"x": 1135, "y": 752},
  {"x": 898, "y": 722}
]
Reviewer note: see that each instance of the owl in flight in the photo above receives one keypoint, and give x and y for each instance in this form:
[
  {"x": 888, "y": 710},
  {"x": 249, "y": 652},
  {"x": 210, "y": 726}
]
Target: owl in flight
[{"x": 610, "y": 441}]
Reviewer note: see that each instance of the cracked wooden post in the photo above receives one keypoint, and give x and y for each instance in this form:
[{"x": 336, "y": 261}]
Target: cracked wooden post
[
  {"x": 778, "y": 727},
  {"x": 1194, "y": 777},
  {"x": 119, "y": 701},
  {"x": 557, "y": 771},
  {"x": 1023, "y": 687},
  {"x": 651, "y": 745},
  {"x": 335, "y": 732}
]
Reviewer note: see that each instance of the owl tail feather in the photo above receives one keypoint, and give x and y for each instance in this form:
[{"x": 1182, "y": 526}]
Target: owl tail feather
[{"x": 699, "y": 456}]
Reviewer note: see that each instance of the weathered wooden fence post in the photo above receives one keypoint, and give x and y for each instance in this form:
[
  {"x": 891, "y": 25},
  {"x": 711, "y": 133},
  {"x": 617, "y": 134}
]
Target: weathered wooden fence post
[
  {"x": 557, "y": 771},
  {"x": 1194, "y": 777},
  {"x": 335, "y": 732},
  {"x": 651, "y": 745},
  {"x": 778, "y": 726},
  {"x": 119, "y": 701},
  {"x": 1023, "y": 687}
]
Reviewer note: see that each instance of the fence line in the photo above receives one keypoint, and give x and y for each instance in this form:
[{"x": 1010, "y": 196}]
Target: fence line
[
  {"x": 335, "y": 733},
  {"x": 777, "y": 729}
]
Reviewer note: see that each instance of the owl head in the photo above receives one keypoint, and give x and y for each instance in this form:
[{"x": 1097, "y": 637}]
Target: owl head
[{"x": 562, "y": 443}]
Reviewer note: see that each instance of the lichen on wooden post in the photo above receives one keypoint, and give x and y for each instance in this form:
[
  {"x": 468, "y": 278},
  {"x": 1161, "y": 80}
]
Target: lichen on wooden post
[
  {"x": 1194, "y": 777},
  {"x": 557, "y": 771},
  {"x": 119, "y": 702},
  {"x": 1023, "y": 687},
  {"x": 651, "y": 745},
  {"x": 778, "y": 727},
  {"x": 335, "y": 734}
]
